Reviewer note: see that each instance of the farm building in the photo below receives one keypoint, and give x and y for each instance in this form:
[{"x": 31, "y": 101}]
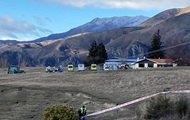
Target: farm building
[
  {"x": 153, "y": 63},
  {"x": 116, "y": 63}
]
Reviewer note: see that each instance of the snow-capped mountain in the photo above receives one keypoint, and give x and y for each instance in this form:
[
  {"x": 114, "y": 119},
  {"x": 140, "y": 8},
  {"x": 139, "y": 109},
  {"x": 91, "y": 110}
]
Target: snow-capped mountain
[
  {"x": 102, "y": 24},
  {"x": 98, "y": 25}
]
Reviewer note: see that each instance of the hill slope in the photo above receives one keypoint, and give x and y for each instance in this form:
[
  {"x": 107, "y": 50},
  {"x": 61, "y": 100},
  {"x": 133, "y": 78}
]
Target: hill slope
[{"x": 165, "y": 15}]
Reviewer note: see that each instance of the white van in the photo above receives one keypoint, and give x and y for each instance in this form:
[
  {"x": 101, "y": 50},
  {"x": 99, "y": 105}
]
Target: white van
[
  {"x": 80, "y": 67},
  {"x": 106, "y": 67}
]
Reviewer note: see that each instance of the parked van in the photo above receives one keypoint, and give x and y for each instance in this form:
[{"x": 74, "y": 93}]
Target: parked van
[
  {"x": 93, "y": 67},
  {"x": 70, "y": 68},
  {"x": 80, "y": 67}
]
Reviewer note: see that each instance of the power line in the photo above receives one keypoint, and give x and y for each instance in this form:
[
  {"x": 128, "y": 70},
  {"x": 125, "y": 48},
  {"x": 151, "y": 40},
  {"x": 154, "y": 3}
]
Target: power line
[{"x": 166, "y": 48}]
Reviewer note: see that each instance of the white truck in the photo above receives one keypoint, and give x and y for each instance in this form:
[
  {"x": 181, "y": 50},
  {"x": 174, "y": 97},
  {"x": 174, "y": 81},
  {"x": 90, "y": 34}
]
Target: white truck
[{"x": 81, "y": 67}]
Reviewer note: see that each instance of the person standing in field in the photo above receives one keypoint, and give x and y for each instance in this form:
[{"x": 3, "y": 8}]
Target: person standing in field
[{"x": 82, "y": 113}]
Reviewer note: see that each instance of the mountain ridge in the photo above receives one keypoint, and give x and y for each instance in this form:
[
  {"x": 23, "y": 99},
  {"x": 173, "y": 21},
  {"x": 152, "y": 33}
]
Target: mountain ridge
[
  {"x": 123, "y": 42},
  {"x": 98, "y": 25},
  {"x": 95, "y": 25}
]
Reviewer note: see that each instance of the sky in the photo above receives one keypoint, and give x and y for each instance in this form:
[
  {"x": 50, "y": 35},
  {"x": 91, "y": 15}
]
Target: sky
[{"x": 31, "y": 19}]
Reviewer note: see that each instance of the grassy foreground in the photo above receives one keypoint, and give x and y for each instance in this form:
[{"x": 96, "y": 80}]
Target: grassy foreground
[{"x": 24, "y": 96}]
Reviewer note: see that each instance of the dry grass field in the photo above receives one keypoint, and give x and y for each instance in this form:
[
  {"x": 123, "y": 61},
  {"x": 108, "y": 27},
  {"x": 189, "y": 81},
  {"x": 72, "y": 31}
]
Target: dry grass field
[{"x": 24, "y": 96}]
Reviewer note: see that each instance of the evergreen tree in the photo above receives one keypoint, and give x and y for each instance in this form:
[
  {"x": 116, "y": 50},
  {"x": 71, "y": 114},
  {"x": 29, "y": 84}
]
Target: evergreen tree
[
  {"x": 97, "y": 54},
  {"x": 102, "y": 53},
  {"x": 156, "y": 45},
  {"x": 93, "y": 50}
]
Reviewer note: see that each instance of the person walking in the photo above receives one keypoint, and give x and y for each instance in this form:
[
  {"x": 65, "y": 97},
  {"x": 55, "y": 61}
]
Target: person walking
[{"x": 82, "y": 113}]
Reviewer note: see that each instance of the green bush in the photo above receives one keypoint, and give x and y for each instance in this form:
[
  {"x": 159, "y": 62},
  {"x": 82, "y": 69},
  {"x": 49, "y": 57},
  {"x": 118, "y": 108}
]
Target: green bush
[
  {"x": 158, "y": 107},
  {"x": 59, "y": 112}
]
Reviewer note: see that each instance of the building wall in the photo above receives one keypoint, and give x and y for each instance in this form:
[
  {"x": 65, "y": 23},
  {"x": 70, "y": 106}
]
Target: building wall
[
  {"x": 145, "y": 64},
  {"x": 151, "y": 64}
]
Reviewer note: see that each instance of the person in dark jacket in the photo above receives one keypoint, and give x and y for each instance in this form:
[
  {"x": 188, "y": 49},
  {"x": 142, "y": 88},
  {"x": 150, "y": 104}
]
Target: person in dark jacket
[{"x": 82, "y": 113}]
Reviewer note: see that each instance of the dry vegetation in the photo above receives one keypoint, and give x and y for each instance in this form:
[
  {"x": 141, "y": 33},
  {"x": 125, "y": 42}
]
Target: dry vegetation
[{"x": 24, "y": 96}]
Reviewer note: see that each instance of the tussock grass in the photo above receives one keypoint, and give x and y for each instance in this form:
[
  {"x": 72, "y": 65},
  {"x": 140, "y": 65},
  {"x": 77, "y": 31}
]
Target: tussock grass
[
  {"x": 163, "y": 108},
  {"x": 24, "y": 96}
]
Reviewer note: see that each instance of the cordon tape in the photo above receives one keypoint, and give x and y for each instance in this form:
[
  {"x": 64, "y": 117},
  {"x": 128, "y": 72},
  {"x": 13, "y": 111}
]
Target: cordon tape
[{"x": 134, "y": 101}]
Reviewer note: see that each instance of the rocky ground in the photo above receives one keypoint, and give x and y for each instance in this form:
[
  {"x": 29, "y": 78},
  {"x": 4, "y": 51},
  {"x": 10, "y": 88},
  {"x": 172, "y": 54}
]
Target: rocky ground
[{"x": 24, "y": 96}]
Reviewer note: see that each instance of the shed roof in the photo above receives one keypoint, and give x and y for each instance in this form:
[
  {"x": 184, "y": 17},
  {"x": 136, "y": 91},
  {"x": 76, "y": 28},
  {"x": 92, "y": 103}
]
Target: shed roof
[
  {"x": 121, "y": 60},
  {"x": 158, "y": 61},
  {"x": 162, "y": 60}
]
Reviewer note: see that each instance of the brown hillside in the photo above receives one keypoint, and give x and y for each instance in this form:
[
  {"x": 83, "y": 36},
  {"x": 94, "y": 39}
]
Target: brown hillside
[
  {"x": 184, "y": 10},
  {"x": 173, "y": 31},
  {"x": 165, "y": 15}
]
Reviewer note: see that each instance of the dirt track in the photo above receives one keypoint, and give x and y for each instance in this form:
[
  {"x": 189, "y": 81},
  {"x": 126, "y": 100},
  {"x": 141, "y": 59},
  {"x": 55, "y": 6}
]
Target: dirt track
[{"x": 24, "y": 96}]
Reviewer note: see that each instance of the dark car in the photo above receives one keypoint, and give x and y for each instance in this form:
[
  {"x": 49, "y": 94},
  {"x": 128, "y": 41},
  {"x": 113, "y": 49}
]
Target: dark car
[{"x": 14, "y": 69}]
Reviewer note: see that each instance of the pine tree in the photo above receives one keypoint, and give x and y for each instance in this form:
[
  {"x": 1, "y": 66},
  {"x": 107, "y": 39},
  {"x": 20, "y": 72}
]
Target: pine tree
[
  {"x": 156, "y": 45},
  {"x": 97, "y": 54},
  {"x": 93, "y": 50},
  {"x": 102, "y": 53}
]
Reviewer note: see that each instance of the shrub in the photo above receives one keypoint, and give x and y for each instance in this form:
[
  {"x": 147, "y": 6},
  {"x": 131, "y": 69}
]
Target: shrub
[
  {"x": 163, "y": 108},
  {"x": 59, "y": 112},
  {"x": 158, "y": 107},
  {"x": 182, "y": 107}
]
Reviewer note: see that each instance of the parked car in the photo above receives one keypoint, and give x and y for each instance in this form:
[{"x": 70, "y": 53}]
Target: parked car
[{"x": 14, "y": 69}]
